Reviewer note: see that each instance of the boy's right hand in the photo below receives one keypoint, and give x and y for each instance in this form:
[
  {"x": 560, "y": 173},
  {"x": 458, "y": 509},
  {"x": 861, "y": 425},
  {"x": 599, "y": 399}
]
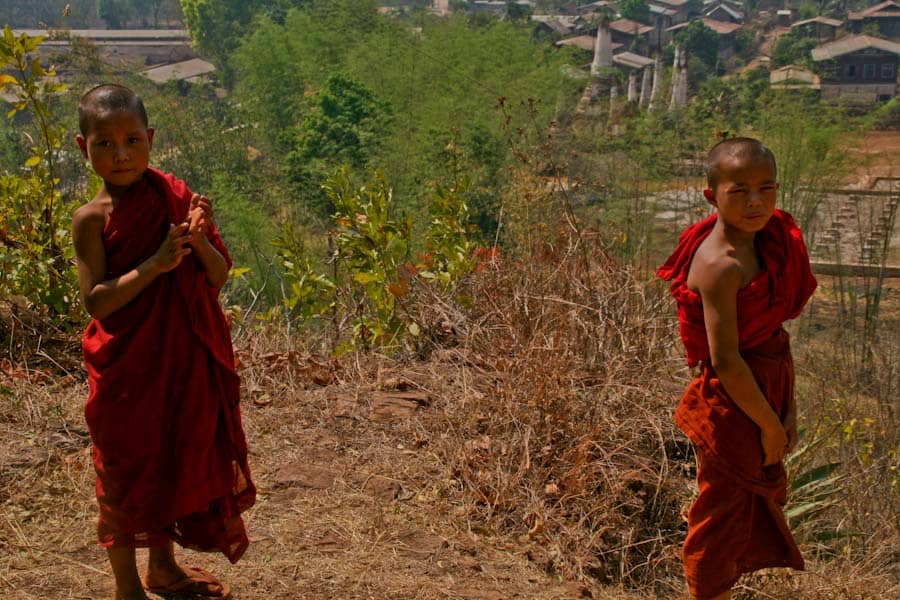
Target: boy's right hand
[
  {"x": 774, "y": 442},
  {"x": 173, "y": 249}
]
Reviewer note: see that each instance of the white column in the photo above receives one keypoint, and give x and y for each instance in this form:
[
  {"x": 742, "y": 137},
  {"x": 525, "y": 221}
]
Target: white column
[
  {"x": 657, "y": 77},
  {"x": 613, "y": 100},
  {"x": 632, "y": 86},
  {"x": 602, "y": 48},
  {"x": 645, "y": 87}
]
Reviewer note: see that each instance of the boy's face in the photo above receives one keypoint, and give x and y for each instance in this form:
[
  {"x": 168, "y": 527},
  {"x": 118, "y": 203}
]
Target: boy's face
[
  {"x": 744, "y": 195},
  {"x": 118, "y": 145}
]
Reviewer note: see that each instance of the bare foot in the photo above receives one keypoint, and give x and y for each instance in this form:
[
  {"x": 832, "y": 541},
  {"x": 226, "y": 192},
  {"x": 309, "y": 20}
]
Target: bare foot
[
  {"x": 196, "y": 583},
  {"x": 166, "y": 576}
]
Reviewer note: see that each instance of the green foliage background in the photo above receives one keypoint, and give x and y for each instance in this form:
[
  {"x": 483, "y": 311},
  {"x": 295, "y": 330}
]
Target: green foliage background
[{"x": 442, "y": 108}]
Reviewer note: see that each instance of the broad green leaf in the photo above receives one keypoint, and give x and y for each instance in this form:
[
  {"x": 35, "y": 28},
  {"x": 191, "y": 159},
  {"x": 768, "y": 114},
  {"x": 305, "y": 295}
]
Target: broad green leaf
[
  {"x": 807, "y": 510},
  {"x": 816, "y": 474}
]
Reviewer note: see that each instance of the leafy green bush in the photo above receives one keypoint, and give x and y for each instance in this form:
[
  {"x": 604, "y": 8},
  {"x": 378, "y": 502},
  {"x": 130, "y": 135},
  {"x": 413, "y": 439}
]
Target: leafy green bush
[{"x": 37, "y": 260}]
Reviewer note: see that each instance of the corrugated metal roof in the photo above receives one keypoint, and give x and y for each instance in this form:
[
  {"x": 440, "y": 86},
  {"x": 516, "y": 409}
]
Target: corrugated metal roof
[
  {"x": 795, "y": 74},
  {"x": 585, "y": 42},
  {"x": 589, "y": 6},
  {"x": 733, "y": 13},
  {"x": 185, "y": 70},
  {"x": 889, "y": 8},
  {"x": 632, "y": 60},
  {"x": 662, "y": 10},
  {"x": 630, "y": 27},
  {"x": 822, "y": 20},
  {"x": 561, "y": 24},
  {"x": 852, "y": 43},
  {"x": 720, "y": 27},
  {"x": 567, "y": 20}
]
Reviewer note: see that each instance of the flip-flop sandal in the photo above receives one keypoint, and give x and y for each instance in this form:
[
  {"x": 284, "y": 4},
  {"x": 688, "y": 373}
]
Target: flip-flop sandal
[{"x": 199, "y": 584}]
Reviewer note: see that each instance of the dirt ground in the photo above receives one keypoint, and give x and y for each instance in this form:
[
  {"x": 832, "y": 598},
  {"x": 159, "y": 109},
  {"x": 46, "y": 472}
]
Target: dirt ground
[
  {"x": 878, "y": 156},
  {"x": 352, "y": 502}
]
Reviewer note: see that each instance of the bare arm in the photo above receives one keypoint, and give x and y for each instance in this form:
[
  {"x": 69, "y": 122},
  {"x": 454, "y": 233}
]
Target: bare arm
[
  {"x": 718, "y": 283},
  {"x": 200, "y": 220},
  {"x": 102, "y": 297}
]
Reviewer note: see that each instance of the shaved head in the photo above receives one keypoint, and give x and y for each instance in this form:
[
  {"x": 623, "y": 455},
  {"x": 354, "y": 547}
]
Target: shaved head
[
  {"x": 105, "y": 99},
  {"x": 746, "y": 149}
]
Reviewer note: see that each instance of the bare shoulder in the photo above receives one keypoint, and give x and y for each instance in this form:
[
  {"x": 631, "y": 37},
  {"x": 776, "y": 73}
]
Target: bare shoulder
[
  {"x": 91, "y": 217},
  {"x": 715, "y": 270}
]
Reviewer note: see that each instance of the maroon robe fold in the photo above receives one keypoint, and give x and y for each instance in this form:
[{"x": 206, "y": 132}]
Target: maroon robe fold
[
  {"x": 736, "y": 525},
  {"x": 163, "y": 408}
]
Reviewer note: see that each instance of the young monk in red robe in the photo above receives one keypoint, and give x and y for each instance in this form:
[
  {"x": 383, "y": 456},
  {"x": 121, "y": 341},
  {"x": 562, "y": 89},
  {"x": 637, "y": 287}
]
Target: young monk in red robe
[
  {"x": 736, "y": 277},
  {"x": 168, "y": 445}
]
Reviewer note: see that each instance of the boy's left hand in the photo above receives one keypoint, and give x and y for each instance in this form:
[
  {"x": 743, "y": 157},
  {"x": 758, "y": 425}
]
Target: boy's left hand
[
  {"x": 790, "y": 428},
  {"x": 199, "y": 217}
]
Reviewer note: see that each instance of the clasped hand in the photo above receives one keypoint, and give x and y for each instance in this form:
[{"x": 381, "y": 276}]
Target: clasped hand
[
  {"x": 199, "y": 218},
  {"x": 180, "y": 238}
]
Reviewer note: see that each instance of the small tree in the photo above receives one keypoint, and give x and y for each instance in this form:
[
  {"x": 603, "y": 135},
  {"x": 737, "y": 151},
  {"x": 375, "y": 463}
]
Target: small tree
[
  {"x": 36, "y": 260},
  {"x": 116, "y": 13},
  {"x": 789, "y": 49},
  {"x": 637, "y": 10},
  {"x": 344, "y": 128},
  {"x": 701, "y": 42}
]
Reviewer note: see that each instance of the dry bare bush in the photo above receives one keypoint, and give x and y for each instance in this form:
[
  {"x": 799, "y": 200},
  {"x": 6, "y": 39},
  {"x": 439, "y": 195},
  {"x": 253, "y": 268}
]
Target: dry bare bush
[
  {"x": 850, "y": 414},
  {"x": 560, "y": 419}
]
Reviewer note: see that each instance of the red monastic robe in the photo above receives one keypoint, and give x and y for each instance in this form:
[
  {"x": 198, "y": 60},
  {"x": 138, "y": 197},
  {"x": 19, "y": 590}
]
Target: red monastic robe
[
  {"x": 168, "y": 445},
  {"x": 736, "y": 525}
]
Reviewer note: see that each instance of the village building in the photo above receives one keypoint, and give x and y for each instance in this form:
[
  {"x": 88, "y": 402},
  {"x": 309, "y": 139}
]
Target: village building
[
  {"x": 632, "y": 34},
  {"x": 858, "y": 68},
  {"x": 681, "y": 8},
  {"x": 195, "y": 70},
  {"x": 121, "y": 47},
  {"x": 723, "y": 11},
  {"x": 559, "y": 26},
  {"x": 885, "y": 16},
  {"x": 584, "y": 42},
  {"x": 784, "y": 17},
  {"x": 593, "y": 8},
  {"x": 630, "y": 60},
  {"x": 663, "y": 18},
  {"x": 793, "y": 77},
  {"x": 161, "y": 55},
  {"x": 820, "y": 28}
]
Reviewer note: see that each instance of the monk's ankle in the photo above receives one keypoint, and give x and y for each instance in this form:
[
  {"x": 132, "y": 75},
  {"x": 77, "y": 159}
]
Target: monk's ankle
[{"x": 162, "y": 575}]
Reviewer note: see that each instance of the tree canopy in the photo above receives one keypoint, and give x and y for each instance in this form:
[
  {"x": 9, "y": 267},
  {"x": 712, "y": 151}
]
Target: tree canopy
[{"x": 424, "y": 88}]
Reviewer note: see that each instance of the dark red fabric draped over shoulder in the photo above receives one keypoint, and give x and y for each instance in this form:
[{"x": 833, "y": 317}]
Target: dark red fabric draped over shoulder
[
  {"x": 778, "y": 293},
  {"x": 163, "y": 407},
  {"x": 737, "y": 524}
]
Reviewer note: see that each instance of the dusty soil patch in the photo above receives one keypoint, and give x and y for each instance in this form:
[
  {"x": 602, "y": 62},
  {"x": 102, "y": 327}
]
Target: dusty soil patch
[{"x": 352, "y": 504}]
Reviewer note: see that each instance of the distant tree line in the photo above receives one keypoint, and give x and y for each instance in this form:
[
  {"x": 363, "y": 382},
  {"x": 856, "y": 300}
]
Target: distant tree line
[{"x": 84, "y": 14}]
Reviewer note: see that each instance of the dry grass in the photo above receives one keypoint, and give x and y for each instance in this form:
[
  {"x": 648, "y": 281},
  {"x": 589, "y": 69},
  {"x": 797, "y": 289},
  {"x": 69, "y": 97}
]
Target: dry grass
[{"x": 525, "y": 451}]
